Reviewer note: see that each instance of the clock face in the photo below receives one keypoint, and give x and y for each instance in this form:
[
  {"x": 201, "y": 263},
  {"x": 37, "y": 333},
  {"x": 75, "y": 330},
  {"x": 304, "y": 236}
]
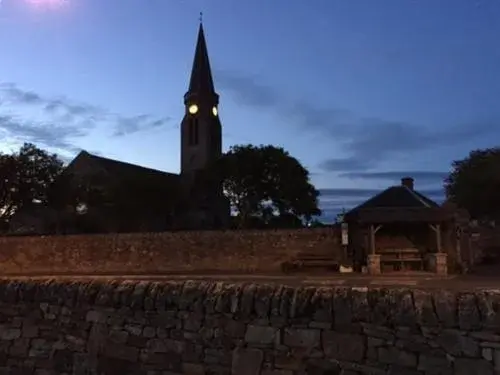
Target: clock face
[
  {"x": 193, "y": 108},
  {"x": 214, "y": 111}
]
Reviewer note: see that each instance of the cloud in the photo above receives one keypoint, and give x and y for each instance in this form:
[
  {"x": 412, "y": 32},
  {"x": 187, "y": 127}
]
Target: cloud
[
  {"x": 360, "y": 138},
  {"x": 424, "y": 176},
  {"x": 130, "y": 125},
  {"x": 74, "y": 114},
  {"x": 39, "y": 133},
  {"x": 248, "y": 90},
  {"x": 59, "y": 107},
  {"x": 348, "y": 192},
  {"x": 343, "y": 164},
  {"x": 17, "y": 95}
]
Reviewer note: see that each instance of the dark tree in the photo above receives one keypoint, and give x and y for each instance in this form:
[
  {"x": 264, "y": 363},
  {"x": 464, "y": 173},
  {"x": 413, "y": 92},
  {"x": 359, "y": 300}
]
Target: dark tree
[
  {"x": 474, "y": 183},
  {"x": 8, "y": 171},
  {"x": 26, "y": 177},
  {"x": 265, "y": 182},
  {"x": 340, "y": 216}
]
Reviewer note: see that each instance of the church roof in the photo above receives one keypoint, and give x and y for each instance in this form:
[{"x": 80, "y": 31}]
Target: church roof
[
  {"x": 201, "y": 75},
  {"x": 123, "y": 170}
]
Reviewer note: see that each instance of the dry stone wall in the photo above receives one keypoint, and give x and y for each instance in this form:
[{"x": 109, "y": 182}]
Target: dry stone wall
[
  {"x": 182, "y": 252},
  {"x": 244, "y": 329}
]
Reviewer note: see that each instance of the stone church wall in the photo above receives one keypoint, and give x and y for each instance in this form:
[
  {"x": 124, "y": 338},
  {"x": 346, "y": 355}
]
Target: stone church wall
[
  {"x": 207, "y": 251},
  {"x": 216, "y": 328}
]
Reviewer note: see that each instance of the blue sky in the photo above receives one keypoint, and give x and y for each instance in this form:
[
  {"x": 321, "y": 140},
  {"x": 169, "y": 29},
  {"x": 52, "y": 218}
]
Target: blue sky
[{"x": 362, "y": 92}]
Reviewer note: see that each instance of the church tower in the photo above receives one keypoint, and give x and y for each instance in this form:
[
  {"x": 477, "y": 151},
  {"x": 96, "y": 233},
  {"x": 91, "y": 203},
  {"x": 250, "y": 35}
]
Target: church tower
[{"x": 201, "y": 131}]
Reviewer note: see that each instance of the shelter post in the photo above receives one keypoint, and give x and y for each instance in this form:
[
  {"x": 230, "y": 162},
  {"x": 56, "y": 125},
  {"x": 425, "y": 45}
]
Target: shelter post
[
  {"x": 440, "y": 261},
  {"x": 372, "y": 240},
  {"x": 373, "y": 260}
]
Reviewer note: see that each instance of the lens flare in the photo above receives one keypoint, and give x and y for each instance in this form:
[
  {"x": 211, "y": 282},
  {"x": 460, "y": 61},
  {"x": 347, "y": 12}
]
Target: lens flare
[{"x": 47, "y": 3}]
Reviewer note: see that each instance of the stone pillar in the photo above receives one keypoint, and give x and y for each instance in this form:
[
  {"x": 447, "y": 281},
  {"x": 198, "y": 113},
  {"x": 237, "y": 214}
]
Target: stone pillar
[
  {"x": 439, "y": 263},
  {"x": 373, "y": 264}
]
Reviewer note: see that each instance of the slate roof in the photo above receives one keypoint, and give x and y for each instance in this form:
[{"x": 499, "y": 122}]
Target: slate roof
[
  {"x": 397, "y": 197},
  {"x": 123, "y": 170}
]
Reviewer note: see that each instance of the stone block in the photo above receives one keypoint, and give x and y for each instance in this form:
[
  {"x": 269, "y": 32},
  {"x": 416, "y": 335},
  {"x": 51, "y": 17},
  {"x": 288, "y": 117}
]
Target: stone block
[
  {"x": 455, "y": 343},
  {"x": 247, "y": 361},
  {"x": 277, "y": 372},
  {"x": 96, "y": 316},
  {"x": 395, "y": 356},
  {"x": 343, "y": 346},
  {"x": 429, "y": 363},
  {"x": 373, "y": 264},
  {"x": 467, "y": 366},
  {"x": 487, "y": 353},
  {"x": 149, "y": 332},
  {"x": 321, "y": 367},
  {"x": 446, "y": 306},
  {"x": 469, "y": 317},
  {"x": 496, "y": 359},
  {"x": 7, "y": 333},
  {"x": 261, "y": 335},
  {"x": 342, "y": 309},
  {"x": 123, "y": 352},
  {"x": 193, "y": 369},
  {"x": 424, "y": 308},
  {"x": 301, "y": 338},
  {"x": 30, "y": 331}
]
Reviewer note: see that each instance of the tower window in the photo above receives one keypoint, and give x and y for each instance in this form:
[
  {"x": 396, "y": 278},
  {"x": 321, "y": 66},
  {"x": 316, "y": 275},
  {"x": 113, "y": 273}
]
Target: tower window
[{"x": 193, "y": 132}]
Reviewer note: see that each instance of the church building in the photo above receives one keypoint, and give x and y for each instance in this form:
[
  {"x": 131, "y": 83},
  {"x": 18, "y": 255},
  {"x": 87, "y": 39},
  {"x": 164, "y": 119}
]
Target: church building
[{"x": 117, "y": 196}]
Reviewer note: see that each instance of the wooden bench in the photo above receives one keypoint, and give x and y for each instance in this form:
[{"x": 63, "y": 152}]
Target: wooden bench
[
  {"x": 402, "y": 257},
  {"x": 306, "y": 260}
]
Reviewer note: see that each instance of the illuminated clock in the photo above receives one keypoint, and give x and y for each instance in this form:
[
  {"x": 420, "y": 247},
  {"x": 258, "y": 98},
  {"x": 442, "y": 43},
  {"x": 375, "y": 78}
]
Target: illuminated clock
[
  {"x": 214, "y": 111},
  {"x": 193, "y": 108}
]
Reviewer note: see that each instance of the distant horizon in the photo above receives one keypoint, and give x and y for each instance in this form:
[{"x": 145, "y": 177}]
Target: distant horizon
[
  {"x": 437, "y": 195},
  {"x": 329, "y": 197}
]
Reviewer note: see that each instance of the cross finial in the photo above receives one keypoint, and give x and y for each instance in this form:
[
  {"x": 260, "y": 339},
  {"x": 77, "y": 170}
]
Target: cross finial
[{"x": 201, "y": 17}]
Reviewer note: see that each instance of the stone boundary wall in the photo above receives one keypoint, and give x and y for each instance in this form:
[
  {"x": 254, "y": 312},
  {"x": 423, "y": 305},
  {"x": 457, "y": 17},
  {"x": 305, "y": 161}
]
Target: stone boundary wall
[
  {"x": 217, "y": 251},
  {"x": 170, "y": 328}
]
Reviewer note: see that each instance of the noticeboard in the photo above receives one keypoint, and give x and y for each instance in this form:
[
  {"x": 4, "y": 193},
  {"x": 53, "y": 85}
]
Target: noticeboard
[{"x": 345, "y": 236}]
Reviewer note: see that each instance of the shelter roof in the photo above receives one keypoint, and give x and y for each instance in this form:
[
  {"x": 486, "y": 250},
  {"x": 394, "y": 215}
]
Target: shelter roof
[{"x": 397, "y": 203}]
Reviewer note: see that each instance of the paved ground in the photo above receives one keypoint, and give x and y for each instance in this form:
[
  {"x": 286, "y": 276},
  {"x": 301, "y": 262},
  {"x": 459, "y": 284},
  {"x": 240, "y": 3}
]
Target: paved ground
[{"x": 426, "y": 281}]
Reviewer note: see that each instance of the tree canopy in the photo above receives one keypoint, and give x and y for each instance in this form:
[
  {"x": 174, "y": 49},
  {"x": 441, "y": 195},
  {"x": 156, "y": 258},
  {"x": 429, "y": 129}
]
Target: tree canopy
[
  {"x": 267, "y": 183},
  {"x": 26, "y": 177},
  {"x": 474, "y": 183}
]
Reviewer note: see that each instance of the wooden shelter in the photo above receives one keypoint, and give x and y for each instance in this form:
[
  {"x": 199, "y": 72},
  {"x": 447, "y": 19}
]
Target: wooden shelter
[{"x": 401, "y": 229}]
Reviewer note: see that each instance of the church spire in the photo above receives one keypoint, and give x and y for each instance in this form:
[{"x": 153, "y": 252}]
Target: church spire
[
  {"x": 201, "y": 81},
  {"x": 201, "y": 131}
]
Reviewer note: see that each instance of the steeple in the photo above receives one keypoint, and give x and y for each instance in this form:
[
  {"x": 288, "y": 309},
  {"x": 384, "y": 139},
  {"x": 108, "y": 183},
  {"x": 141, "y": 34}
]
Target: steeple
[
  {"x": 201, "y": 138},
  {"x": 201, "y": 82},
  {"x": 201, "y": 131}
]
